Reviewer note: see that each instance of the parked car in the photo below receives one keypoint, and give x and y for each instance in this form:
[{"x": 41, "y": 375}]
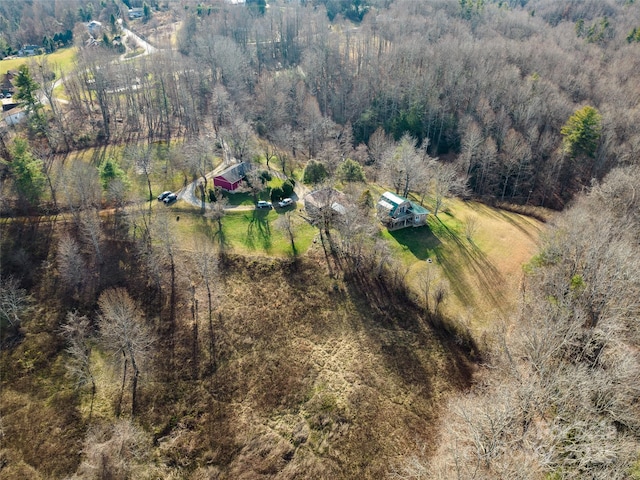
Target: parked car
[
  {"x": 285, "y": 202},
  {"x": 172, "y": 197},
  {"x": 163, "y": 195},
  {"x": 263, "y": 204}
]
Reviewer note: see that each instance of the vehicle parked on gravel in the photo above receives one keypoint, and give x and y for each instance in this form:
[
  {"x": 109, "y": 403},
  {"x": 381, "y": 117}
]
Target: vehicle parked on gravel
[{"x": 285, "y": 202}]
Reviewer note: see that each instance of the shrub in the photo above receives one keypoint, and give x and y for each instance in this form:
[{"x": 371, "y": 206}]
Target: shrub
[
  {"x": 287, "y": 188},
  {"x": 314, "y": 173},
  {"x": 265, "y": 176},
  {"x": 277, "y": 194},
  {"x": 351, "y": 171}
]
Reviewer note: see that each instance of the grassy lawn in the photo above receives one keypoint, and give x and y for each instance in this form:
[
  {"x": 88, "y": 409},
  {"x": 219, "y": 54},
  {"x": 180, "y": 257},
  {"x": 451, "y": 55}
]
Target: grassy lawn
[
  {"x": 60, "y": 92},
  {"x": 248, "y": 232},
  {"x": 63, "y": 59},
  {"x": 243, "y": 198},
  {"x": 484, "y": 273}
]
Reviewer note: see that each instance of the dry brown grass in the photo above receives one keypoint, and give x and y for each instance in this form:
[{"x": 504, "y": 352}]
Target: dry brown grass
[
  {"x": 484, "y": 273},
  {"x": 314, "y": 381},
  {"x": 317, "y": 378}
]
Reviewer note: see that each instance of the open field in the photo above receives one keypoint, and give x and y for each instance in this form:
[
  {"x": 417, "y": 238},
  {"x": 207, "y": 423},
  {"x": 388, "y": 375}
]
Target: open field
[
  {"x": 251, "y": 232},
  {"x": 62, "y": 59},
  {"x": 483, "y": 273}
]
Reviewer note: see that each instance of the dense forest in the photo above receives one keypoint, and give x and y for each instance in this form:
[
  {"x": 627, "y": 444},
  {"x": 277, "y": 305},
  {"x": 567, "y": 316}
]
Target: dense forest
[{"x": 138, "y": 343}]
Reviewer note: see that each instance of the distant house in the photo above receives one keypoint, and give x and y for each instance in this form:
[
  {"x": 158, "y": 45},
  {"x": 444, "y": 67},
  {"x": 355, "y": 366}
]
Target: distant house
[
  {"x": 29, "y": 50},
  {"x": 6, "y": 86},
  {"x": 324, "y": 199},
  {"x": 396, "y": 212},
  {"x": 94, "y": 28},
  {"x": 231, "y": 178},
  {"x": 135, "y": 13}
]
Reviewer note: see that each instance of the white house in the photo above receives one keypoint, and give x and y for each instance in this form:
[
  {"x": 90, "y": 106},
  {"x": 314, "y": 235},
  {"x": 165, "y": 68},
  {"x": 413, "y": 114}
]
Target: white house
[
  {"x": 28, "y": 50},
  {"x": 94, "y": 27},
  {"x": 135, "y": 13}
]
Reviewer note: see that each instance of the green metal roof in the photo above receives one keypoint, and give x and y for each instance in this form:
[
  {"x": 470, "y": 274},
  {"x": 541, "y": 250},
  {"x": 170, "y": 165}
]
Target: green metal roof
[{"x": 419, "y": 209}]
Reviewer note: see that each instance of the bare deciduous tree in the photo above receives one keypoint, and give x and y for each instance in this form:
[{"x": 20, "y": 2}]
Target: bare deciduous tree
[
  {"x": 123, "y": 331},
  {"x": 13, "y": 301},
  {"x": 206, "y": 258},
  {"x": 216, "y": 213},
  {"x": 72, "y": 267},
  {"x": 286, "y": 225},
  {"x": 118, "y": 450},
  {"x": 78, "y": 334}
]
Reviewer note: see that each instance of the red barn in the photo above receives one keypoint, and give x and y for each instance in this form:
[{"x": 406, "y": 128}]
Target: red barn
[{"x": 230, "y": 178}]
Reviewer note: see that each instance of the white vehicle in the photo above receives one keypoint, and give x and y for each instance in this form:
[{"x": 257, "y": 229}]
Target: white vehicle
[
  {"x": 163, "y": 195},
  {"x": 285, "y": 202},
  {"x": 263, "y": 204},
  {"x": 172, "y": 197}
]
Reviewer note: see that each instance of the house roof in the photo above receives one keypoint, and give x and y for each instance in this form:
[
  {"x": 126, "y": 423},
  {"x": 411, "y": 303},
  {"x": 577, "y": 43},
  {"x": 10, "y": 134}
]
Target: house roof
[
  {"x": 390, "y": 201},
  {"x": 386, "y": 205},
  {"x": 14, "y": 111},
  {"x": 338, "y": 208},
  {"x": 419, "y": 209},
  {"x": 234, "y": 173},
  {"x": 326, "y": 196},
  {"x": 393, "y": 198}
]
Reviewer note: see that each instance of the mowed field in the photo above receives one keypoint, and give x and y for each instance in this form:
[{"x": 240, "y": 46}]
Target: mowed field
[
  {"x": 61, "y": 59},
  {"x": 482, "y": 274}
]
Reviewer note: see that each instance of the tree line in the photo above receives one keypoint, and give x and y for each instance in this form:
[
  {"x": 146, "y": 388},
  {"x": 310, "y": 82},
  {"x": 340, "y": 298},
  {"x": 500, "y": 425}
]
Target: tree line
[
  {"x": 488, "y": 91},
  {"x": 559, "y": 400}
]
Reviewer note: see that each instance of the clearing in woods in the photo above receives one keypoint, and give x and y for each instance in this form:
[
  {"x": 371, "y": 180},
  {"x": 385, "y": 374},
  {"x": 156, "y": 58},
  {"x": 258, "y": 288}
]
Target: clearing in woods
[{"x": 482, "y": 271}]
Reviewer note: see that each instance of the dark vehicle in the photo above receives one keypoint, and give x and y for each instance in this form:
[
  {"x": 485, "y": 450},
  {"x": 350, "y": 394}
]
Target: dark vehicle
[
  {"x": 163, "y": 195},
  {"x": 172, "y": 197}
]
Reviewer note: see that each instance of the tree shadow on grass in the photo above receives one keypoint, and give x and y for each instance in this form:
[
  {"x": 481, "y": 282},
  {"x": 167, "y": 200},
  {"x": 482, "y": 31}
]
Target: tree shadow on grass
[
  {"x": 467, "y": 257},
  {"x": 419, "y": 241},
  {"x": 216, "y": 235},
  {"x": 521, "y": 222},
  {"x": 407, "y": 342},
  {"x": 258, "y": 230}
]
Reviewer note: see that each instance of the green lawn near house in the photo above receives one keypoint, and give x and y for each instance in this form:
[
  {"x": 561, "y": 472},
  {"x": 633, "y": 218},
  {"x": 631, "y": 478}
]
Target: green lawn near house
[
  {"x": 62, "y": 59},
  {"x": 247, "y": 232}
]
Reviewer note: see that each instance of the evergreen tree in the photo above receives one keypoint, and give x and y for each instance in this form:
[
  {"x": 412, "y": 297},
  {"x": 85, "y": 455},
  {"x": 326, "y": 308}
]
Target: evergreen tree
[
  {"x": 582, "y": 132},
  {"x": 27, "y": 89},
  {"x": 28, "y": 173}
]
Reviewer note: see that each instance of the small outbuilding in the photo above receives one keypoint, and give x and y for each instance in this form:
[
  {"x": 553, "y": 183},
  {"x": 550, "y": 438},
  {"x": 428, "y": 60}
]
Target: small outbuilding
[
  {"x": 135, "y": 13},
  {"x": 326, "y": 198},
  {"x": 14, "y": 116}
]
